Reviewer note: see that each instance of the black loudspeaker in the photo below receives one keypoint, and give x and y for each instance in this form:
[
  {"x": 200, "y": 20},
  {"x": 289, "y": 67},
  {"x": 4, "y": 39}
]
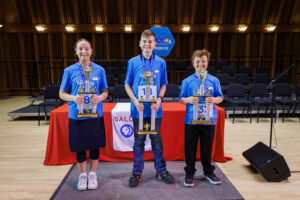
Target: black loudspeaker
[{"x": 270, "y": 164}]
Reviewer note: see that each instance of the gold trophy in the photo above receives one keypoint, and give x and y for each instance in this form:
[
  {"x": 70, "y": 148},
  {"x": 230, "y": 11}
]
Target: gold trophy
[
  {"x": 202, "y": 110},
  {"x": 87, "y": 108},
  {"x": 150, "y": 97}
]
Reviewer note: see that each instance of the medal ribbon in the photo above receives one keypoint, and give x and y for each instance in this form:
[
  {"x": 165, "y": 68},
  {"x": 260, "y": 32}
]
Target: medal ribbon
[{"x": 85, "y": 76}]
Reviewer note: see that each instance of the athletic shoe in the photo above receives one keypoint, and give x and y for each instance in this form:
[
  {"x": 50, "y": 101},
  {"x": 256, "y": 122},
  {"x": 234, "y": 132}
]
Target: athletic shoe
[
  {"x": 189, "y": 181},
  {"x": 213, "y": 179},
  {"x": 92, "y": 181},
  {"x": 135, "y": 180},
  {"x": 166, "y": 177},
  {"x": 82, "y": 182}
]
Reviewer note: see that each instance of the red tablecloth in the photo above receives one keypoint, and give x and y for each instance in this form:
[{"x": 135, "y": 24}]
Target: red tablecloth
[{"x": 172, "y": 132}]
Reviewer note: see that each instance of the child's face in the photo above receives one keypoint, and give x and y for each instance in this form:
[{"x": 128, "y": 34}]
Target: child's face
[
  {"x": 147, "y": 44},
  {"x": 200, "y": 63},
  {"x": 83, "y": 51}
]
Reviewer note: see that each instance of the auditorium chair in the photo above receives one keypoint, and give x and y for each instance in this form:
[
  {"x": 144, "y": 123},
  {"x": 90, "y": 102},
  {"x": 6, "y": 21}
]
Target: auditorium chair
[
  {"x": 260, "y": 97},
  {"x": 51, "y": 98},
  {"x": 236, "y": 97}
]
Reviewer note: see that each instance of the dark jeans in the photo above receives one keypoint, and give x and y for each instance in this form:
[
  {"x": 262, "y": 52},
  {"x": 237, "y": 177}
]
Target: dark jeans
[
  {"x": 192, "y": 134},
  {"x": 139, "y": 145}
]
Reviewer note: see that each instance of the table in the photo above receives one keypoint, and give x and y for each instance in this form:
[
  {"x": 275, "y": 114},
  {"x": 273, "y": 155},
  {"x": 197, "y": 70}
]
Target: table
[{"x": 172, "y": 133}]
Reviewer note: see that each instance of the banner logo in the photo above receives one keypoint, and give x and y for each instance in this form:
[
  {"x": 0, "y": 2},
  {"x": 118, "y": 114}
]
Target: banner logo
[{"x": 126, "y": 130}]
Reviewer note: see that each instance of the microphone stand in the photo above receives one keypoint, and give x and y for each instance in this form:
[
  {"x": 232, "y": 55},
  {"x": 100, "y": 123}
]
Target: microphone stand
[{"x": 271, "y": 85}]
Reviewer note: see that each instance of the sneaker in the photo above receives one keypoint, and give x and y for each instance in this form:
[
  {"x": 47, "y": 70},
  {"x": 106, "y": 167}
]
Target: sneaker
[
  {"x": 82, "y": 182},
  {"x": 189, "y": 181},
  {"x": 92, "y": 181},
  {"x": 213, "y": 179},
  {"x": 134, "y": 180},
  {"x": 166, "y": 177}
]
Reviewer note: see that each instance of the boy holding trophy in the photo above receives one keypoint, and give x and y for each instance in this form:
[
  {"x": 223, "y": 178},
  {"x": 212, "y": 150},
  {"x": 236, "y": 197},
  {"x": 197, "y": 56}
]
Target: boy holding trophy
[
  {"x": 199, "y": 92},
  {"x": 84, "y": 87},
  {"x": 145, "y": 84}
]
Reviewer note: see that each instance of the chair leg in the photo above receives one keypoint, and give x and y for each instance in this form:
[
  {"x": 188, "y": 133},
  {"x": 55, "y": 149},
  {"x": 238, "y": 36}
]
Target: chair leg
[
  {"x": 243, "y": 110},
  {"x": 257, "y": 120},
  {"x": 249, "y": 112},
  {"x": 233, "y": 114},
  {"x": 282, "y": 113},
  {"x": 39, "y": 115},
  {"x": 45, "y": 112}
]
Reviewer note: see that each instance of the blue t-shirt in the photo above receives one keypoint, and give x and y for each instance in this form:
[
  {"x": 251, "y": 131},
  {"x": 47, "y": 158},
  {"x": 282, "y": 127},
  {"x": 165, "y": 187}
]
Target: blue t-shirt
[
  {"x": 72, "y": 80},
  {"x": 135, "y": 77},
  {"x": 188, "y": 87}
]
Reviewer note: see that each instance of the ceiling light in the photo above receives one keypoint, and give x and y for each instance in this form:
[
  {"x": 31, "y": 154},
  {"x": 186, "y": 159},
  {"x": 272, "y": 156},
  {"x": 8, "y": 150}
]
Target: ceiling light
[
  {"x": 214, "y": 28},
  {"x": 242, "y": 28},
  {"x": 70, "y": 28},
  {"x": 40, "y": 28},
  {"x": 1, "y": 25},
  {"x": 99, "y": 28},
  {"x": 270, "y": 28},
  {"x": 128, "y": 28},
  {"x": 186, "y": 28}
]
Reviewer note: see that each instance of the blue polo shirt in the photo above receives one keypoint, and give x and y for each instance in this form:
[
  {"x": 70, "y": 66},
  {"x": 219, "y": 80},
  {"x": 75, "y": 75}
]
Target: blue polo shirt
[
  {"x": 188, "y": 87},
  {"x": 72, "y": 80},
  {"x": 135, "y": 77}
]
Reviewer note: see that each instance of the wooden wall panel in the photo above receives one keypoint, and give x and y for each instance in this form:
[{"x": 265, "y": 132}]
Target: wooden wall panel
[
  {"x": 100, "y": 46},
  {"x": 130, "y": 45},
  {"x": 114, "y": 43},
  {"x": 226, "y": 42},
  {"x": 198, "y": 41},
  {"x": 213, "y": 44}
]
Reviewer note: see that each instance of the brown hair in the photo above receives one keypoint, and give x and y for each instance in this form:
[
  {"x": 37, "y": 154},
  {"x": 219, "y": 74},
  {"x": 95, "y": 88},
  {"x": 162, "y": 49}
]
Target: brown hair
[
  {"x": 200, "y": 53},
  {"x": 86, "y": 40},
  {"x": 82, "y": 39},
  {"x": 146, "y": 33}
]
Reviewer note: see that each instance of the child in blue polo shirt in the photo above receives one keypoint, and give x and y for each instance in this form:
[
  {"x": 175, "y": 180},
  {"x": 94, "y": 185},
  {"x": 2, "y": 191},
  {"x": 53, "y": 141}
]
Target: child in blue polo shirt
[
  {"x": 200, "y": 82},
  {"x": 135, "y": 79},
  {"x": 85, "y": 133}
]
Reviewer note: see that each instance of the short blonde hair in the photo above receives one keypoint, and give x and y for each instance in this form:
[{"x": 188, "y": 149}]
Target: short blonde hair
[{"x": 200, "y": 53}]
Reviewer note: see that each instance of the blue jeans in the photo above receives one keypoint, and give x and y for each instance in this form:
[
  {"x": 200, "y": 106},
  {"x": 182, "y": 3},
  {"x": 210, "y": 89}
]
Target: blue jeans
[{"x": 139, "y": 146}]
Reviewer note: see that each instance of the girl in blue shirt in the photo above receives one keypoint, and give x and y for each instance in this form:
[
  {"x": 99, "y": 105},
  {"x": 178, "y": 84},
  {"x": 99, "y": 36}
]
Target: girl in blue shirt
[
  {"x": 85, "y": 134},
  {"x": 190, "y": 85}
]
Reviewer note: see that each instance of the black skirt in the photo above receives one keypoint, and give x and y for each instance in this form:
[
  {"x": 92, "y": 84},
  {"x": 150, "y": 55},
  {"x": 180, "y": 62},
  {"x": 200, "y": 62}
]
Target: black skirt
[{"x": 86, "y": 134}]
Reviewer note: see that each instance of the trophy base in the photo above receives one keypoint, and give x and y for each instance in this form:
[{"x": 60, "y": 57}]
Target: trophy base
[
  {"x": 147, "y": 132},
  {"x": 147, "y": 101},
  {"x": 201, "y": 122},
  {"x": 87, "y": 115}
]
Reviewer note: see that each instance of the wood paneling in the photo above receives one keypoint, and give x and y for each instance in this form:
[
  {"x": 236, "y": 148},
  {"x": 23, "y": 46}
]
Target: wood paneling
[{"x": 44, "y": 55}]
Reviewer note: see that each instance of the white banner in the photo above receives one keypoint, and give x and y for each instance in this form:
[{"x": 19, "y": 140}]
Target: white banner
[{"x": 123, "y": 134}]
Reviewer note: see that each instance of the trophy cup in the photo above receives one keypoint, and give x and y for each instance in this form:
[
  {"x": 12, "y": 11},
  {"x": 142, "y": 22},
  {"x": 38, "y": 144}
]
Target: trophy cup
[
  {"x": 202, "y": 110},
  {"x": 87, "y": 108},
  {"x": 147, "y": 94}
]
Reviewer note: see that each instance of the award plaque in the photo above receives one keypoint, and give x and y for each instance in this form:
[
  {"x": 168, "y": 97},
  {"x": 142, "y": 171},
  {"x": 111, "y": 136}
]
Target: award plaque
[
  {"x": 147, "y": 94},
  {"x": 202, "y": 111}
]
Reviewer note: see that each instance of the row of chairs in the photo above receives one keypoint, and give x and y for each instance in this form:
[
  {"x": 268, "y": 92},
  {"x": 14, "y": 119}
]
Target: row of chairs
[
  {"x": 236, "y": 96},
  {"x": 261, "y": 97},
  {"x": 230, "y": 70},
  {"x": 243, "y": 79}
]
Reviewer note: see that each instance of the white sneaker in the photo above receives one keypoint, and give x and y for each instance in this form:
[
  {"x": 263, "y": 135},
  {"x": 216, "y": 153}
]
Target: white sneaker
[
  {"x": 92, "y": 182},
  {"x": 82, "y": 182}
]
